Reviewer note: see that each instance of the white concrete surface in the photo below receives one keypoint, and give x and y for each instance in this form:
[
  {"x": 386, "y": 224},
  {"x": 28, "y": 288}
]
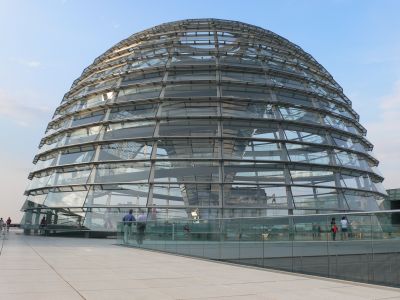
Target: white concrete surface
[{"x": 33, "y": 267}]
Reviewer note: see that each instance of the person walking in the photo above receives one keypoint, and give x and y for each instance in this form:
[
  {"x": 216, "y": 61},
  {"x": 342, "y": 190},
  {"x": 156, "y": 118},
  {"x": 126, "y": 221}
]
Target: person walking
[
  {"x": 127, "y": 220},
  {"x": 344, "y": 226},
  {"x": 1, "y": 224},
  {"x": 8, "y": 222}
]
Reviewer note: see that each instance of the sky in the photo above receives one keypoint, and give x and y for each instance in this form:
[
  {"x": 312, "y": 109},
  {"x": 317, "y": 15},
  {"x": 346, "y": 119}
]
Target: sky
[{"x": 45, "y": 45}]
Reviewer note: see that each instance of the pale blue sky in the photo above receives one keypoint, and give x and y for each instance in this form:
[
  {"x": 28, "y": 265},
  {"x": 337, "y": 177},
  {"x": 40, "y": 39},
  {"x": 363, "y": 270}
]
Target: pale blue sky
[{"x": 45, "y": 45}]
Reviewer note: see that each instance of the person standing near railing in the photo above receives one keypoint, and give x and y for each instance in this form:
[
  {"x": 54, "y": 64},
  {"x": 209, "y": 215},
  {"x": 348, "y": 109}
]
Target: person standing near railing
[
  {"x": 141, "y": 227},
  {"x": 1, "y": 224},
  {"x": 127, "y": 220},
  {"x": 334, "y": 229},
  {"x": 8, "y": 223},
  {"x": 344, "y": 225}
]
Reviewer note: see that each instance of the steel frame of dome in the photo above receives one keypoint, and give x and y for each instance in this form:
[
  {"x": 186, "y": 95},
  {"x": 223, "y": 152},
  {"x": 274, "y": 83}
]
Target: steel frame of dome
[{"x": 202, "y": 118}]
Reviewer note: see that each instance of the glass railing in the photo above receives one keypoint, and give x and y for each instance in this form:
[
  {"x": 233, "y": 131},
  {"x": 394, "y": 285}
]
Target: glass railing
[{"x": 367, "y": 249}]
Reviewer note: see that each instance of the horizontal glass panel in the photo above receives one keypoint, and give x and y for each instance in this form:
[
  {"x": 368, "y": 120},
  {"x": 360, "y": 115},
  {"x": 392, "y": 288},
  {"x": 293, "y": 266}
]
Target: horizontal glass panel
[
  {"x": 294, "y": 98},
  {"x": 188, "y": 128},
  {"x": 83, "y": 135},
  {"x": 236, "y": 172},
  {"x": 250, "y": 129},
  {"x": 65, "y": 199},
  {"x": 299, "y": 115},
  {"x": 307, "y": 153},
  {"x": 74, "y": 175},
  {"x": 76, "y": 155},
  {"x": 255, "y": 195},
  {"x": 137, "y": 93},
  {"x": 353, "y": 160},
  {"x": 186, "y": 171},
  {"x": 149, "y": 63},
  {"x": 135, "y": 111},
  {"x": 58, "y": 126},
  {"x": 361, "y": 201},
  {"x": 142, "y": 78},
  {"x": 308, "y": 137},
  {"x": 182, "y": 75},
  {"x": 191, "y": 90},
  {"x": 118, "y": 195},
  {"x": 245, "y": 92},
  {"x": 102, "y": 85},
  {"x": 125, "y": 151},
  {"x": 313, "y": 177},
  {"x": 123, "y": 172},
  {"x": 197, "y": 195},
  {"x": 39, "y": 199},
  {"x": 188, "y": 109},
  {"x": 252, "y": 150},
  {"x": 129, "y": 130},
  {"x": 315, "y": 198},
  {"x": 238, "y": 60},
  {"x": 96, "y": 100},
  {"x": 246, "y": 110},
  {"x": 40, "y": 180},
  {"x": 243, "y": 77},
  {"x": 193, "y": 59},
  {"x": 45, "y": 162},
  {"x": 349, "y": 143},
  {"x": 362, "y": 182},
  {"x": 200, "y": 148},
  {"x": 91, "y": 117}
]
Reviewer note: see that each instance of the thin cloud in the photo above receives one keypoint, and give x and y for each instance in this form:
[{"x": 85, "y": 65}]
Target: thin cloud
[
  {"x": 385, "y": 135},
  {"x": 13, "y": 106}
]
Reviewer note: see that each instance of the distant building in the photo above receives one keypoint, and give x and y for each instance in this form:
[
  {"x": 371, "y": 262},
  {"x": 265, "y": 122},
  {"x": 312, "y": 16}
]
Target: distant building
[{"x": 202, "y": 117}]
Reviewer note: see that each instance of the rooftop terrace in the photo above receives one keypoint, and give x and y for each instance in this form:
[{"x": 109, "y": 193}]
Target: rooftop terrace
[{"x": 37, "y": 267}]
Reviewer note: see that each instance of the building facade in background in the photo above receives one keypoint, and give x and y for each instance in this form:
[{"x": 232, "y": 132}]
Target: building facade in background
[{"x": 202, "y": 118}]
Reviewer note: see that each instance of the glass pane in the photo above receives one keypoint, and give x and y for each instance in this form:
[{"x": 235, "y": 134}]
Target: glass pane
[
  {"x": 186, "y": 171},
  {"x": 246, "y": 110},
  {"x": 250, "y": 172},
  {"x": 136, "y": 111},
  {"x": 313, "y": 177},
  {"x": 88, "y": 118},
  {"x": 118, "y": 195},
  {"x": 65, "y": 199},
  {"x": 76, "y": 155},
  {"x": 188, "y": 109},
  {"x": 250, "y": 129},
  {"x": 129, "y": 130},
  {"x": 255, "y": 195},
  {"x": 245, "y": 92},
  {"x": 138, "y": 93},
  {"x": 252, "y": 150},
  {"x": 191, "y": 90},
  {"x": 125, "y": 151},
  {"x": 307, "y": 153},
  {"x": 123, "y": 172},
  {"x": 188, "y": 128},
  {"x": 193, "y": 148},
  {"x": 315, "y": 198}
]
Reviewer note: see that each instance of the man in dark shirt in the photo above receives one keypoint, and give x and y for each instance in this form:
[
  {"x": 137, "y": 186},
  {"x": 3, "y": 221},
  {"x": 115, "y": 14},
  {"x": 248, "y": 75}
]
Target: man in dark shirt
[{"x": 128, "y": 219}]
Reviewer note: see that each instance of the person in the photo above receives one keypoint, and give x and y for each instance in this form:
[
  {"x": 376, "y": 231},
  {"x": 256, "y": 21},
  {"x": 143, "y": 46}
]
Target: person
[
  {"x": 107, "y": 220},
  {"x": 1, "y": 224},
  {"x": 334, "y": 228},
  {"x": 141, "y": 227},
  {"x": 344, "y": 226},
  {"x": 43, "y": 225},
  {"x": 8, "y": 222},
  {"x": 127, "y": 220}
]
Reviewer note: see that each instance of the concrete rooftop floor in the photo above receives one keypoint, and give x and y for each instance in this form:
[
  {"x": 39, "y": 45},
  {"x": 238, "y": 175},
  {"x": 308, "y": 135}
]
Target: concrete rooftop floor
[{"x": 33, "y": 267}]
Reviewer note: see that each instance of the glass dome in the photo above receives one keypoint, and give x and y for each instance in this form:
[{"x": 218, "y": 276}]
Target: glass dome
[{"x": 202, "y": 118}]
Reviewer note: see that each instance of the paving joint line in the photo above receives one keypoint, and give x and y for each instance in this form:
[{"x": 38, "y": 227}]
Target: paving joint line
[{"x": 59, "y": 275}]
